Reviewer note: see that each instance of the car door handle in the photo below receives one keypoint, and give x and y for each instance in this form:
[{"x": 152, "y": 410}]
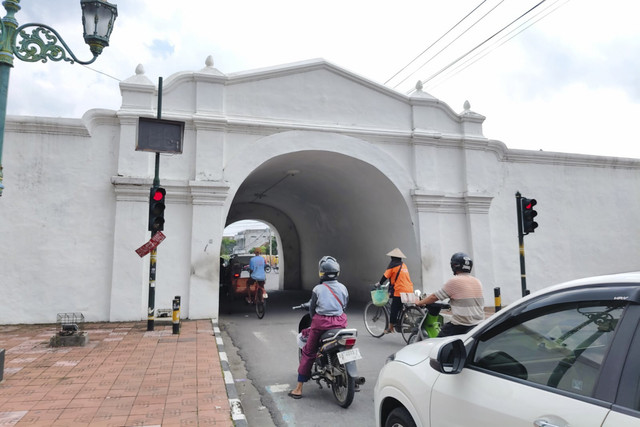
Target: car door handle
[{"x": 543, "y": 423}]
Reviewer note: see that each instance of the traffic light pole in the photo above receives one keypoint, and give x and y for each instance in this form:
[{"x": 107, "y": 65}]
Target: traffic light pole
[
  {"x": 153, "y": 256},
  {"x": 523, "y": 275}
]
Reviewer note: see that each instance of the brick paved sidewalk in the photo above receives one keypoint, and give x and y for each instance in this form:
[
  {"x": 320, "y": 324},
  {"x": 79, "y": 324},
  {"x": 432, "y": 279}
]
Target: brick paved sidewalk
[{"x": 124, "y": 376}]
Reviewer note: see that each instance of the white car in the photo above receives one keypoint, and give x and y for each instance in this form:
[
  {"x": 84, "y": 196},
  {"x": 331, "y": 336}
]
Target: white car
[{"x": 568, "y": 355}]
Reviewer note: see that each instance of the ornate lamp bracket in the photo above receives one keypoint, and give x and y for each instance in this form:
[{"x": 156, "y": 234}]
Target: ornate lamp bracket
[{"x": 43, "y": 44}]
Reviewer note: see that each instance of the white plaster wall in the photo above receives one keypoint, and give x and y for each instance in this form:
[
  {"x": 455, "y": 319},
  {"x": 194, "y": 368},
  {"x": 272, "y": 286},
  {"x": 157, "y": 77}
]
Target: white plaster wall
[
  {"x": 378, "y": 170},
  {"x": 585, "y": 216},
  {"x": 57, "y": 217}
]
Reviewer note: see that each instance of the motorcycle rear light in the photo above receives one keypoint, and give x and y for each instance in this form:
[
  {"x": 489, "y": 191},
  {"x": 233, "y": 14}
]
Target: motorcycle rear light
[
  {"x": 349, "y": 342},
  {"x": 236, "y": 275}
]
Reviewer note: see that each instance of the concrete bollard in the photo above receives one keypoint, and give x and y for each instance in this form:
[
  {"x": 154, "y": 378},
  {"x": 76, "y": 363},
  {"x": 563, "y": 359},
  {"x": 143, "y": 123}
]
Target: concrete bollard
[
  {"x": 176, "y": 315},
  {"x": 497, "y": 299}
]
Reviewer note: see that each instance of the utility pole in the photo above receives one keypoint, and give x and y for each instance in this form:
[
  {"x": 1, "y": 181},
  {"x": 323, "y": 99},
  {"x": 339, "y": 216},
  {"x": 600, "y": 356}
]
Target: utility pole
[
  {"x": 158, "y": 136},
  {"x": 154, "y": 252}
]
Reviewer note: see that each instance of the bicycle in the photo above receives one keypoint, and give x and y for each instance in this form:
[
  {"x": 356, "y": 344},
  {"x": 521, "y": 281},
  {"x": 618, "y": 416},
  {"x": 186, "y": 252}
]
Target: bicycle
[
  {"x": 376, "y": 313},
  {"x": 258, "y": 299}
]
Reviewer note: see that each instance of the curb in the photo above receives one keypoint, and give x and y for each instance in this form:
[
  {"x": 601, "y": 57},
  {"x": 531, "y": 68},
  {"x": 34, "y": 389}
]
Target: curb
[{"x": 237, "y": 413}]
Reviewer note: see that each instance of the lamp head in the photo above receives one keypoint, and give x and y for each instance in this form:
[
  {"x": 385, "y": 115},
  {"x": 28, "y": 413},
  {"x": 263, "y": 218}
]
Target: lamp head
[{"x": 98, "y": 17}]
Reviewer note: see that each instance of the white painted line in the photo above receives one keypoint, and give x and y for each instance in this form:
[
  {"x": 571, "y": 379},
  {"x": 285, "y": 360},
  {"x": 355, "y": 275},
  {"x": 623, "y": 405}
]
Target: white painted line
[
  {"x": 216, "y": 330},
  {"x": 223, "y": 356},
  {"x": 219, "y": 341},
  {"x": 278, "y": 388},
  {"x": 261, "y": 336},
  {"x": 228, "y": 378}
]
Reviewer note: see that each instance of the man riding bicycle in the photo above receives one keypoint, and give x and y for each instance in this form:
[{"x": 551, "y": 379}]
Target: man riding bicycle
[{"x": 256, "y": 268}]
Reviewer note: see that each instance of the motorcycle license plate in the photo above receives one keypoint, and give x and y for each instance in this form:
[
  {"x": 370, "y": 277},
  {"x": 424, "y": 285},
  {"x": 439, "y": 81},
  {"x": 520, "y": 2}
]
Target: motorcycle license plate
[{"x": 349, "y": 355}]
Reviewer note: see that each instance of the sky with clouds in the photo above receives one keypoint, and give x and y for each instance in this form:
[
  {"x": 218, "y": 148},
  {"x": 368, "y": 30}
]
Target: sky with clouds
[{"x": 567, "y": 80}]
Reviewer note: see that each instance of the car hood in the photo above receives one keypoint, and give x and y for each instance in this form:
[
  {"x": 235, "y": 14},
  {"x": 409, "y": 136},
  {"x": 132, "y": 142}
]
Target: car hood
[{"x": 418, "y": 352}]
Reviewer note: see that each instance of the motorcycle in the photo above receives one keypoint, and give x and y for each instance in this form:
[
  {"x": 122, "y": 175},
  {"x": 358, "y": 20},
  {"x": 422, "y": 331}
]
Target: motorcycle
[
  {"x": 335, "y": 363},
  {"x": 431, "y": 323}
]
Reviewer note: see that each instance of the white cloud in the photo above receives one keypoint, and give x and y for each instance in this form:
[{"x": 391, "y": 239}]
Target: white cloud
[{"x": 568, "y": 83}]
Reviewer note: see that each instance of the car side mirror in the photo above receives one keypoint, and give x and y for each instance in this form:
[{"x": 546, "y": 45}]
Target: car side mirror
[{"x": 450, "y": 357}]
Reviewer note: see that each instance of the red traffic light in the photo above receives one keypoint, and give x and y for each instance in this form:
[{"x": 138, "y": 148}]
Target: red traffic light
[
  {"x": 529, "y": 225},
  {"x": 156, "y": 209},
  {"x": 158, "y": 194}
]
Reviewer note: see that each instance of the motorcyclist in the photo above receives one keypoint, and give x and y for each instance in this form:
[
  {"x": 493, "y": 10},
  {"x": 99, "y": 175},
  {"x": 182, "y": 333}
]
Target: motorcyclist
[
  {"x": 327, "y": 304},
  {"x": 465, "y": 297}
]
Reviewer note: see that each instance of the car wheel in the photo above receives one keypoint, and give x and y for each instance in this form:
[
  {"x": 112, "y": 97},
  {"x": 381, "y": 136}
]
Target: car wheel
[{"x": 399, "y": 417}]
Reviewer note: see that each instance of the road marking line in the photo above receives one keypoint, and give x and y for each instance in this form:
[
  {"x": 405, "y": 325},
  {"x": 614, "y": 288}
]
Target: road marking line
[
  {"x": 278, "y": 388},
  {"x": 228, "y": 377},
  {"x": 261, "y": 336}
]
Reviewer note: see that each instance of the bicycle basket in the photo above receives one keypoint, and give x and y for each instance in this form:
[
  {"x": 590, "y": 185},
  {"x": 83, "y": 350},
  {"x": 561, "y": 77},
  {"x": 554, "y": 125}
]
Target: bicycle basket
[{"x": 379, "y": 297}]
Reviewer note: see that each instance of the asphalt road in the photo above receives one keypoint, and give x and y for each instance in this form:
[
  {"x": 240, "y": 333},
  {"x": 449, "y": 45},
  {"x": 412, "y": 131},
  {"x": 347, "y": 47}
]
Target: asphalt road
[{"x": 264, "y": 362}]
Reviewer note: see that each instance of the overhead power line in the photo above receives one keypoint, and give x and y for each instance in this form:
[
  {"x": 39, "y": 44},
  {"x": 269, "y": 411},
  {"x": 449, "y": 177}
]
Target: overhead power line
[
  {"x": 432, "y": 44},
  {"x": 487, "y": 40},
  {"x": 101, "y": 72},
  {"x": 452, "y": 41},
  {"x": 506, "y": 38}
]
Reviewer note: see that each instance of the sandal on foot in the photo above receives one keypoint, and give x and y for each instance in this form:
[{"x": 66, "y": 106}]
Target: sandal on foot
[{"x": 295, "y": 396}]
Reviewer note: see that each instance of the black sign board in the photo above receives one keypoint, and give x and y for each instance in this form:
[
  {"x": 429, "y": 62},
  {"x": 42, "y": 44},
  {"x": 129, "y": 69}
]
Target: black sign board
[{"x": 160, "y": 136}]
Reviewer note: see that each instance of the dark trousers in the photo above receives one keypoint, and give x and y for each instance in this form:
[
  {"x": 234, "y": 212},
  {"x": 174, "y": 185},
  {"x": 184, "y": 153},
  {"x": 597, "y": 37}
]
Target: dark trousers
[{"x": 396, "y": 307}]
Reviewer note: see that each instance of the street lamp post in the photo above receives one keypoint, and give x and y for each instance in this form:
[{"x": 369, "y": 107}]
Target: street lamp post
[{"x": 44, "y": 43}]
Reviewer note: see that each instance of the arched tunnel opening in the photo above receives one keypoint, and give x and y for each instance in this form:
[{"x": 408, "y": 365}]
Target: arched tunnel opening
[
  {"x": 326, "y": 203},
  {"x": 240, "y": 240}
]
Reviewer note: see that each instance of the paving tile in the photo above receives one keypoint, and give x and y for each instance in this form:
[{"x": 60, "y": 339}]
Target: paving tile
[
  {"x": 126, "y": 375},
  {"x": 78, "y": 414},
  {"x": 39, "y": 417},
  {"x": 109, "y": 421}
]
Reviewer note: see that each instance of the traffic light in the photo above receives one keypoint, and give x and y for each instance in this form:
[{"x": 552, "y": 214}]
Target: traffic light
[
  {"x": 528, "y": 215},
  {"x": 156, "y": 209}
]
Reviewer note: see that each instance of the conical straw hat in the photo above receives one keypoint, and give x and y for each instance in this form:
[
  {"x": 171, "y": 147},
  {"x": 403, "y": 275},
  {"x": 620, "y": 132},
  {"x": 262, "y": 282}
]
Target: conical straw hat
[{"x": 396, "y": 253}]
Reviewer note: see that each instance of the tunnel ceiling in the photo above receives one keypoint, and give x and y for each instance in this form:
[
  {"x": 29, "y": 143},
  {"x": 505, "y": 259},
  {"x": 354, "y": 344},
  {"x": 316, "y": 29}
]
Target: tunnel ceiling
[
  {"x": 311, "y": 177},
  {"x": 338, "y": 205}
]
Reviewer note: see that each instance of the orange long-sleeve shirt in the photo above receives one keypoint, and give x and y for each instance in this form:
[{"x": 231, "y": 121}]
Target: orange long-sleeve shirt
[{"x": 403, "y": 283}]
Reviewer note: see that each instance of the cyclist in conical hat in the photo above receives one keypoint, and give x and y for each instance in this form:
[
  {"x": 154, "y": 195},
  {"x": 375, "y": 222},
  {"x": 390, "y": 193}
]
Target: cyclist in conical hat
[{"x": 397, "y": 273}]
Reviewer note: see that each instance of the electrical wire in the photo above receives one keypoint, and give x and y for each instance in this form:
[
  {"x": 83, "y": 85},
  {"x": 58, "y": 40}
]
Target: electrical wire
[
  {"x": 450, "y": 43},
  {"x": 101, "y": 72},
  {"x": 432, "y": 44},
  {"x": 443, "y": 69},
  {"x": 470, "y": 61}
]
